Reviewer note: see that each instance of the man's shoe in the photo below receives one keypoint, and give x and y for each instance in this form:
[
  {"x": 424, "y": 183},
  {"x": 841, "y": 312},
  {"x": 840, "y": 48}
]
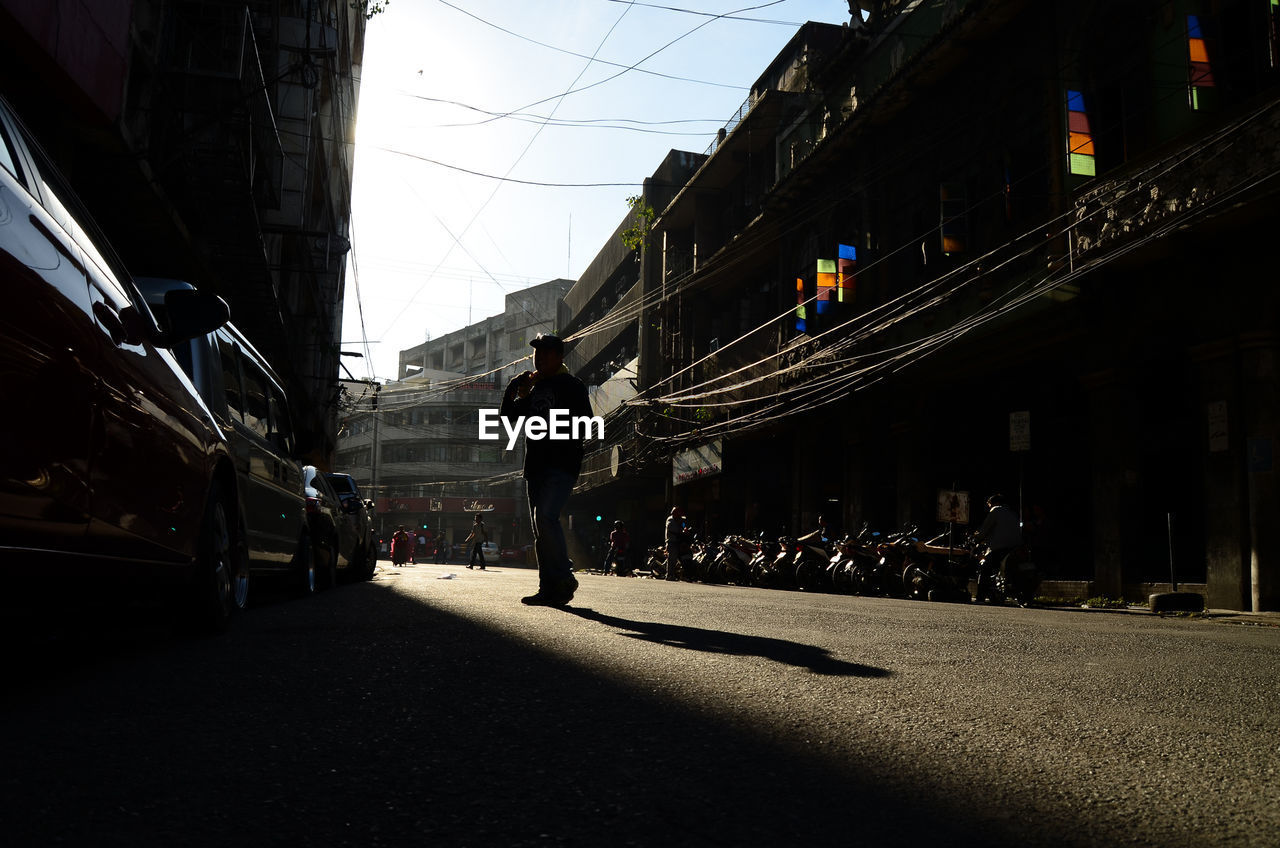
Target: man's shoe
[{"x": 543, "y": 599}]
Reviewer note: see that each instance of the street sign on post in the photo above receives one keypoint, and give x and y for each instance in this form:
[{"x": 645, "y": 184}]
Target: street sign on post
[
  {"x": 953, "y": 507},
  {"x": 1020, "y": 431}
]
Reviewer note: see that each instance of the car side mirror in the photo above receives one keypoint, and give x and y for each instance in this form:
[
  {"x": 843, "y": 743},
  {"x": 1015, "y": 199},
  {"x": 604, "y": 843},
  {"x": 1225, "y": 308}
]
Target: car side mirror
[{"x": 191, "y": 314}]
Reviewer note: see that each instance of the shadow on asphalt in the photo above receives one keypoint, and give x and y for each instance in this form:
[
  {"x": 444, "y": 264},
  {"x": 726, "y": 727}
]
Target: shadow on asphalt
[
  {"x": 817, "y": 660},
  {"x": 363, "y": 717}
]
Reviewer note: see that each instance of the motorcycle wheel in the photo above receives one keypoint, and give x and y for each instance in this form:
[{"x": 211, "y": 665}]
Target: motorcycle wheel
[{"x": 915, "y": 582}]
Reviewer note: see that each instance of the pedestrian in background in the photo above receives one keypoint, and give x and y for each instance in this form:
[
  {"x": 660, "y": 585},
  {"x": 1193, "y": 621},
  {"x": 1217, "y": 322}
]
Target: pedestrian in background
[
  {"x": 477, "y": 538},
  {"x": 677, "y": 539},
  {"x": 399, "y": 546},
  {"x": 619, "y": 540}
]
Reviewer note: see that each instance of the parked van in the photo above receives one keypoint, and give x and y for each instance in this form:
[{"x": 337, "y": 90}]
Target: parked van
[
  {"x": 90, "y": 396},
  {"x": 249, "y": 403}
]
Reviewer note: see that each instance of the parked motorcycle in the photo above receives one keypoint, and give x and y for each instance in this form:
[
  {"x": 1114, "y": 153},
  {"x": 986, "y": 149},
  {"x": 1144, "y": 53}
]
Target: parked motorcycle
[
  {"x": 938, "y": 571},
  {"x": 695, "y": 563},
  {"x": 656, "y": 561},
  {"x": 733, "y": 560},
  {"x": 881, "y": 574},
  {"x": 853, "y": 549},
  {"x": 760, "y": 569}
]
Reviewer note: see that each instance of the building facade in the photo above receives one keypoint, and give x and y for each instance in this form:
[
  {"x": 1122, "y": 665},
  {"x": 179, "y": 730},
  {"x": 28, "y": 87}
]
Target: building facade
[
  {"x": 978, "y": 247},
  {"x": 213, "y": 141}
]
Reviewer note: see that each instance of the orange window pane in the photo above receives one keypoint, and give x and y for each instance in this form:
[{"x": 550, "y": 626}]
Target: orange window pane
[
  {"x": 1080, "y": 143},
  {"x": 1199, "y": 53}
]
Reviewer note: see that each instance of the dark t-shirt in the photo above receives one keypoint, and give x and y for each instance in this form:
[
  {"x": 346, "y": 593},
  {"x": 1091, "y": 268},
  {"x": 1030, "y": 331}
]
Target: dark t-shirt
[{"x": 560, "y": 391}]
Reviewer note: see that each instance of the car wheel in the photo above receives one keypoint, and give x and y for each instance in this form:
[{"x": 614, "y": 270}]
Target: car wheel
[
  {"x": 212, "y": 601},
  {"x": 367, "y": 557}
]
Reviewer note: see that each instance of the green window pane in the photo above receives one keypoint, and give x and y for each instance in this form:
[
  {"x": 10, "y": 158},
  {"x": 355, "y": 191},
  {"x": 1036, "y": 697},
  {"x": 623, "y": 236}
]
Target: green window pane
[{"x": 1083, "y": 165}]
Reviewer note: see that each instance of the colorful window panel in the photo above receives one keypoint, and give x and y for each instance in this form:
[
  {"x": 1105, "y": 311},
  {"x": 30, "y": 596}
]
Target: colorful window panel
[
  {"x": 826, "y": 285},
  {"x": 802, "y": 315},
  {"x": 1080, "y": 153},
  {"x": 1273, "y": 22},
  {"x": 847, "y": 272},
  {"x": 1201, "y": 74},
  {"x": 953, "y": 217}
]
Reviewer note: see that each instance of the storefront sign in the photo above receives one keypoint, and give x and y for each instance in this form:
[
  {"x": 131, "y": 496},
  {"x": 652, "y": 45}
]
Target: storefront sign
[
  {"x": 448, "y": 505},
  {"x": 697, "y": 463}
]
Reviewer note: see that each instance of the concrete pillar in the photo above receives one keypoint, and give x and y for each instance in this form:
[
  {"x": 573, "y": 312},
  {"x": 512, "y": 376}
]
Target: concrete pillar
[
  {"x": 1258, "y": 367},
  {"x": 1226, "y": 517},
  {"x": 1113, "y": 440}
]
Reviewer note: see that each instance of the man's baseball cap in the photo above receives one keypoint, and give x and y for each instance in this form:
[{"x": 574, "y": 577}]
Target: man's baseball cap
[{"x": 549, "y": 341}]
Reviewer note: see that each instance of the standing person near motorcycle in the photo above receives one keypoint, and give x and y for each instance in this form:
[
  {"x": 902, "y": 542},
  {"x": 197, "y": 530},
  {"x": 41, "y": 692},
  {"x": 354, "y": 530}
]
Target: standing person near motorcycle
[
  {"x": 1001, "y": 531},
  {"x": 619, "y": 539},
  {"x": 677, "y": 539},
  {"x": 819, "y": 536},
  {"x": 551, "y": 466}
]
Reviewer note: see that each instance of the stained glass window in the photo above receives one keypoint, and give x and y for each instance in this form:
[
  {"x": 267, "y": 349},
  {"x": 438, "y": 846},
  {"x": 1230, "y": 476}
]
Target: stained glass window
[
  {"x": 1080, "y": 152},
  {"x": 802, "y": 323},
  {"x": 1201, "y": 74},
  {"x": 846, "y": 272}
]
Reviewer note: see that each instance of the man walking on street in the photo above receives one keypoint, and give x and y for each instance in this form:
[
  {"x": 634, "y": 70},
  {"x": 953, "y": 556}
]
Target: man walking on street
[
  {"x": 551, "y": 466},
  {"x": 477, "y": 539}
]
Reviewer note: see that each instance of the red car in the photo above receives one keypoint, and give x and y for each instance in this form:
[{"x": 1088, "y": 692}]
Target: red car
[{"x": 111, "y": 466}]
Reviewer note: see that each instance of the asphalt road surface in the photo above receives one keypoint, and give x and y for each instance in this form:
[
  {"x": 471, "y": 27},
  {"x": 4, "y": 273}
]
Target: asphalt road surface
[{"x": 422, "y": 709}]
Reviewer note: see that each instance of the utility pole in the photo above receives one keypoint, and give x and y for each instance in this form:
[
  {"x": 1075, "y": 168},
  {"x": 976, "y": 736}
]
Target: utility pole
[{"x": 373, "y": 460}]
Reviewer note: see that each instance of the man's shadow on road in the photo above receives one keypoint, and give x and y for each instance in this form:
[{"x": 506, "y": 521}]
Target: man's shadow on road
[{"x": 817, "y": 660}]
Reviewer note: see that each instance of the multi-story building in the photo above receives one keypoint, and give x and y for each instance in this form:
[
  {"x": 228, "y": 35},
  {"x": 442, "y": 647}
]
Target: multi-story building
[
  {"x": 212, "y": 139},
  {"x": 415, "y": 442},
  {"x": 995, "y": 245}
]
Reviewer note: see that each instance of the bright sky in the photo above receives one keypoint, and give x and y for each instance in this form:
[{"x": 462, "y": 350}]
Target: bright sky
[{"x": 436, "y": 248}]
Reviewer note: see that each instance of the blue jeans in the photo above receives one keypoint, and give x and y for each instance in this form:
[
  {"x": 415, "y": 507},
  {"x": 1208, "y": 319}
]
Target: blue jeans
[{"x": 548, "y": 493}]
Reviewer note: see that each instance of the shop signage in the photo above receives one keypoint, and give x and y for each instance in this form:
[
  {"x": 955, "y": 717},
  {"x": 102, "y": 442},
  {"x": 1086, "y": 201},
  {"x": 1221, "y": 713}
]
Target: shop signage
[
  {"x": 448, "y": 506},
  {"x": 697, "y": 463}
]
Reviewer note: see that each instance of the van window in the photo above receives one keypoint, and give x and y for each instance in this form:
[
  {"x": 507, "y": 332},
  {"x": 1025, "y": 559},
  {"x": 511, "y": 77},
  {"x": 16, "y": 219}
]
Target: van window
[
  {"x": 281, "y": 427},
  {"x": 257, "y": 410},
  {"x": 231, "y": 380}
]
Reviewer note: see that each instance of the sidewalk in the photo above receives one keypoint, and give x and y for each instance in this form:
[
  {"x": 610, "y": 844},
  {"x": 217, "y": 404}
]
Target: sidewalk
[{"x": 1223, "y": 616}]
